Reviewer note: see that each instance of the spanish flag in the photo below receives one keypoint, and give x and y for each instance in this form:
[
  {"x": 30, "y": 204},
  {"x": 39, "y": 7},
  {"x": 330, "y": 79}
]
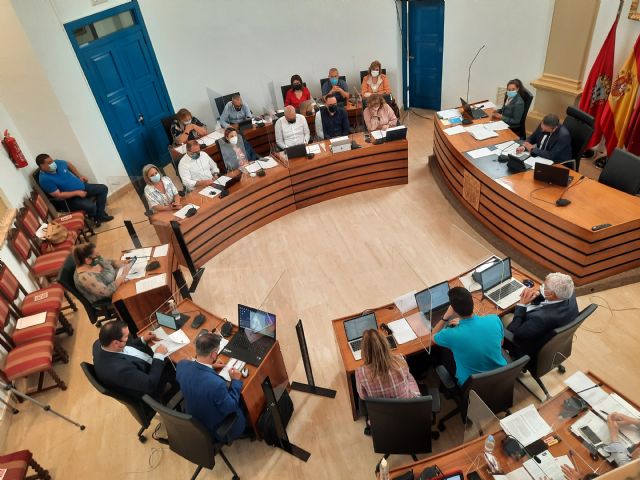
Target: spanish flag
[
  {"x": 617, "y": 113},
  {"x": 632, "y": 142}
]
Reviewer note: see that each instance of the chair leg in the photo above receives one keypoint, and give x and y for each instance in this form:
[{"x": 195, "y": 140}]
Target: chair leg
[
  {"x": 229, "y": 466},
  {"x": 13, "y": 409},
  {"x": 41, "y": 473},
  {"x": 59, "y": 383},
  {"x": 70, "y": 301},
  {"x": 529, "y": 390},
  {"x": 413, "y": 456},
  {"x": 561, "y": 369},
  {"x": 65, "y": 327},
  {"x": 60, "y": 353},
  {"x": 544, "y": 389},
  {"x": 196, "y": 473},
  {"x": 386, "y": 455},
  {"x": 441, "y": 426}
]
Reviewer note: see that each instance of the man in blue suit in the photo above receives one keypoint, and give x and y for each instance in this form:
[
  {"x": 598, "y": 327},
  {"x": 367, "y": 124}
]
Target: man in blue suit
[
  {"x": 208, "y": 397},
  {"x": 550, "y": 140}
]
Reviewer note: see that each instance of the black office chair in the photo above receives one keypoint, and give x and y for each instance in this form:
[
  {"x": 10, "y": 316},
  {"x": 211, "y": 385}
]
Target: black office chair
[
  {"x": 166, "y": 126},
  {"x": 222, "y": 101},
  {"x": 555, "y": 351},
  {"x": 189, "y": 439},
  {"x": 580, "y": 126},
  {"x": 140, "y": 410},
  {"x": 326, "y": 79},
  {"x": 97, "y": 312},
  {"x": 495, "y": 388},
  {"x": 402, "y": 426},
  {"x": 622, "y": 172},
  {"x": 364, "y": 73},
  {"x": 285, "y": 88},
  {"x": 527, "y": 97}
]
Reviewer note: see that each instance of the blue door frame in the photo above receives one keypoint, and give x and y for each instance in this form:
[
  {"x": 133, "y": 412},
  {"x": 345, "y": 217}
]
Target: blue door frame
[{"x": 146, "y": 140}]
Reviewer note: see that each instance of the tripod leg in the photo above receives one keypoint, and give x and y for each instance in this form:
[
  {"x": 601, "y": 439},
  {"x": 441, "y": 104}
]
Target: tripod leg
[{"x": 14, "y": 410}]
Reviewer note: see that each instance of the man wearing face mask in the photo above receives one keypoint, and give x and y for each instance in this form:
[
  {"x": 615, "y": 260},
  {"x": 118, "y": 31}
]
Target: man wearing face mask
[
  {"x": 234, "y": 112},
  {"x": 291, "y": 129},
  {"x": 550, "y": 140},
  {"x": 197, "y": 168},
  {"x": 539, "y": 312},
  {"x": 334, "y": 120},
  {"x": 336, "y": 86},
  {"x": 186, "y": 127}
]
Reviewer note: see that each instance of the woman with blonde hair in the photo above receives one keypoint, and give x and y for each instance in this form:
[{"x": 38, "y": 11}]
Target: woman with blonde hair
[
  {"x": 160, "y": 192},
  {"x": 375, "y": 81},
  {"x": 378, "y": 115}
]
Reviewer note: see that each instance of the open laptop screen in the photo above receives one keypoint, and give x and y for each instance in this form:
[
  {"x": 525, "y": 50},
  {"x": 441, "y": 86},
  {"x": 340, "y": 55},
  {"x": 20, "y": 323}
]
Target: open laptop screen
[
  {"x": 495, "y": 274},
  {"x": 355, "y": 327},
  {"x": 433, "y": 298},
  {"x": 257, "y": 321}
]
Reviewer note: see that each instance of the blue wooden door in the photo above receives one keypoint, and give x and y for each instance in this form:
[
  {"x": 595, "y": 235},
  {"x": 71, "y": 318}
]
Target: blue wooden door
[
  {"x": 117, "y": 58},
  {"x": 426, "y": 35}
]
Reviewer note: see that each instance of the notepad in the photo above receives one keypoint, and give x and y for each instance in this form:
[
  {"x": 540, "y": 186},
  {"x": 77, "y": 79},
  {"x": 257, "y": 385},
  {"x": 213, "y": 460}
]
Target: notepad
[
  {"x": 402, "y": 331},
  {"x": 526, "y": 425},
  {"x": 31, "y": 320},
  {"x": 549, "y": 468},
  {"x": 161, "y": 250},
  {"x": 586, "y": 388},
  {"x": 209, "y": 192},
  {"x": 480, "y": 152}
]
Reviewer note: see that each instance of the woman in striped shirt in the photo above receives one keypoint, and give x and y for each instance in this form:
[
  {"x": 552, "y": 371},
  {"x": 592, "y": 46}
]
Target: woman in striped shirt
[{"x": 160, "y": 192}]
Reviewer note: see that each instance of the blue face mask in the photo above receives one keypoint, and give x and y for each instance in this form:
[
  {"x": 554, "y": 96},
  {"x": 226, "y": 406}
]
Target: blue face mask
[
  {"x": 53, "y": 167},
  {"x": 334, "y": 81},
  {"x": 155, "y": 178},
  {"x": 511, "y": 93}
]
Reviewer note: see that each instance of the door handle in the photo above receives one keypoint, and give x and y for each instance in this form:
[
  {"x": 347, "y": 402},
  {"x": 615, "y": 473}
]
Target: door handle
[
  {"x": 141, "y": 119},
  {"x": 411, "y": 57}
]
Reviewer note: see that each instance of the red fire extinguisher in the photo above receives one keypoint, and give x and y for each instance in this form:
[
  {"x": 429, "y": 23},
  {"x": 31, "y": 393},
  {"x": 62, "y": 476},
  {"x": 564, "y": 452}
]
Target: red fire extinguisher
[{"x": 13, "y": 149}]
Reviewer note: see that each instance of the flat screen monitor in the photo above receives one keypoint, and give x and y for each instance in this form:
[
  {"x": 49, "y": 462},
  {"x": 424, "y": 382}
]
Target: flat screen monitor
[{"x": 257, "y": 321}]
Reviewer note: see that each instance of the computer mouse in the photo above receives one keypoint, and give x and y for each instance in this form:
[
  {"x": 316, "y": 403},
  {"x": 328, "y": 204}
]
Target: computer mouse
[
  {"x": 226, "y": 329},
  {"x": 261, "y": 173},
  {"x": 527, "y": 283},
  {"x": 503, "y": 158},
  {"x": 191, "y": 212},
  {"x": 310, "y": 155},
  {"x": 245, "y": 372},
  {"x": 152, "y": 265}
]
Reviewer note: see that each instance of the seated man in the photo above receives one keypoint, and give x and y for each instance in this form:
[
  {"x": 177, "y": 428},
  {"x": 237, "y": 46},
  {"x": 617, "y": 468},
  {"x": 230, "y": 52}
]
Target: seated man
[
  {"x": 550, "y": 140},
  {"x": 196, "y": 168},
  {"x": 539, "y": 312},
  {"x": 336, "y": 86},
  {"x": 71, "y": 191},
  {"x": 129, "y": 366},
  {"x": 476, "y": 342},
  {"x": 208, "y": 397},
  {"x": 291, "y": 129},
  {"x": 234, "y": 112},
  {"x": 186, "y": 127},
  {"x": 333, "y": 119}
]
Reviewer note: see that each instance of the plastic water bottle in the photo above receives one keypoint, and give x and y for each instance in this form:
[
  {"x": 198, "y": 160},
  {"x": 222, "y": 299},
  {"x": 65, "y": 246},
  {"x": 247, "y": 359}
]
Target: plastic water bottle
[
  {"x": 489, "y": 444},
  {"x": 384, "y": 469},
  {"x": 174, "y": 310}
]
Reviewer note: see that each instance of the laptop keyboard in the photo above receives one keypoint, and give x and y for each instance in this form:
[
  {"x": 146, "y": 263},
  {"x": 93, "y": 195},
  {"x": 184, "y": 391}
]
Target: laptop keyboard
[
  {"x": 356, "y": 344},
  {"x": 240, "y": 340},
  {"x": 505, "y": 290}
]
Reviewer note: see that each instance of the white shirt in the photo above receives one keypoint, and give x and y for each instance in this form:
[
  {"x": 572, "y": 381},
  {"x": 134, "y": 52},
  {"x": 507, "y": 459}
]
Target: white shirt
[
  {"x": 134, "y": 352},
  {"x": 291, "y": 134},
  {"x": 192, "y": 171}
]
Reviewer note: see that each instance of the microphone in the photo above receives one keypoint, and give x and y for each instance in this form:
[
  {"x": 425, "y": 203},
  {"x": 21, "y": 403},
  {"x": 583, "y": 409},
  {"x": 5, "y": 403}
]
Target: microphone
[
  {"x": 261, "y": 172},
  {"x": 588, "y": 388},
  {"x": 470, "y": 65},
  {"x": 563, "y": 202}
]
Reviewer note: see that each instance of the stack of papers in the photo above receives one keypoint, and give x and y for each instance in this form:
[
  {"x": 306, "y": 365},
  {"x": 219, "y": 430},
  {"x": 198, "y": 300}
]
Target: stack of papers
[
  {"x": 526, "y": 425},
  {"x": 138, "y": 270},
  {"x": 402, "y": 331},
  {"x": 479, "y": 132},
  {"x": 447, "y": 114},
  {"x": 549, "y": 468},
  {"x": 173, "y": 342},
  {"x": 455, "y": 130},
  {"x": 222, "y": 180},
  {"x": 614, "y": 403},
  {"x": 161, "y": 250},
  {"x": 31, "y": 320},
  {"x": 209, "y": 192},
  {"x": 154, "y": 281},
  {"x": 586, "y": 388},
  {"x": 182, "y": 213},
  {"x": 406, "y": 302},
  {"x": 211, "y": 138},
  {"x": 496, "y": 126},
  {"x": 480, "y": 152}
]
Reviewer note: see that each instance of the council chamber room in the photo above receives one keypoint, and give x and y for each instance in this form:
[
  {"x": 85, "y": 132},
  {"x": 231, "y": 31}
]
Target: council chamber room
[{"x": 287, "y": 239}]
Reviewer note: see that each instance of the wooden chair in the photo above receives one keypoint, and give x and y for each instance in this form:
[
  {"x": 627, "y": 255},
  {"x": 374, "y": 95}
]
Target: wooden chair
[
  {"x": 74, "y": 221},
  {"x": 45, "y": 266},
  {"x": 17, "y": 465},
  {"x": 28, "y": 221}
]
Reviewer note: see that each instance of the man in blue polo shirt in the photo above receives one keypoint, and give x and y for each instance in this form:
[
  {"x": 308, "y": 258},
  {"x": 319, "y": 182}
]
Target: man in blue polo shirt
[
  {"x": 336, "y": 86},
  {"x": 475, "y": 341},
  {"x": 71, "y": 191}
]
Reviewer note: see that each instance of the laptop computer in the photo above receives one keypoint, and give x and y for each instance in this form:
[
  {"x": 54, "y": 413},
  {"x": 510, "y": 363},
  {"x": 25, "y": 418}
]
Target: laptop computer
[
  {"x": 433, "y": 302},
  {"x": 355, "y": 328},
  {"x": 168, "y": 321},
  {"x": 296, "y": 151},
  {"x": 475, "y": 113},
  {"x": 550, "y": 174},
  {"x": 499, "y": 286},
  {"x": 396, "y": 133},
  {"x": 255, "y": 336},
  {"x": 245, "y": 124}
]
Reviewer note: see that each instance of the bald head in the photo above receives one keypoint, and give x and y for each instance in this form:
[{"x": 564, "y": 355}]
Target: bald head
[{"x": 290, "y": 113}]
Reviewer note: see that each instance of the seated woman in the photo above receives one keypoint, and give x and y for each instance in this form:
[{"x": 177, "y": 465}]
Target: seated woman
[
  {"x": 378, "y": 115},
  {"x": 513, "y": 108},
  {"x": 95, "y": 277},
  {"x": 235, "y": 151},
  {"x": 375, "y": 81},
  {"x": 160, "y": 192},
  {"x": 297, "y": 94}
]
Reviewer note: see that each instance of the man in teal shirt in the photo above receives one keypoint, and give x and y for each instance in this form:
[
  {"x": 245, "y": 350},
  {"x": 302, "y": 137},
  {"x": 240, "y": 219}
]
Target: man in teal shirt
[{"x": 475, "y": 341}]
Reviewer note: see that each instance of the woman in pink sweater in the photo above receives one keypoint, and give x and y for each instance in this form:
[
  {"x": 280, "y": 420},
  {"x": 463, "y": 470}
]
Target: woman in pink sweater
[{"x": 378, "y": 115}]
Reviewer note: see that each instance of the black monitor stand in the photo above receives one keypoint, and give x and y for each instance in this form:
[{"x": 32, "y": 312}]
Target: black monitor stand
[{"x": 309, "y": 387}]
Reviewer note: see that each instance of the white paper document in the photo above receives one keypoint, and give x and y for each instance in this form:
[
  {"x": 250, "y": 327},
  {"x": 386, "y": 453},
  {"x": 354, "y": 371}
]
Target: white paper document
[
  {"x": 517, "y": 474},
  {"x": 406, "y": 302},
  {"x": 209, "y": 192},
  {"x": 526, "y": 425},
  {"x": 531, "y": 161},
  {"x": 482, "y": 133},
  {"x": 31, "y": 320},
  {"x": 455, "y": 130},
  {"x": 315, "y": 149},
  {"x": 173, "y": 342},
  {"x": 161, "y": 250},
  {"x": 586, "y": 388},
  {"x": 138, "y": 252},
  {"x": 41, "y": 233},
  {"x": 496, "y": 126},
  {"x": 211, "y": 138},
  {"x": 480, "y": 152},
  {"x": 268, "y": 162},
  {"x": 154, "y": 281},
  {"x": 182, "y": 213},
  {"x": 402, "y": 331},
  {"x": 181, "y": 149},
  {"x": 446, "y": 114},
  {"x": 253, "y": 167},
  {"x": 485, "y": 105},
  {"x": 138, "y": 270},
  {"x": 549, "y": 468},
  {"x": 614, "y": 403},
  {"x": 222, "y": 180},
  {"x": 378, "y": 134}
]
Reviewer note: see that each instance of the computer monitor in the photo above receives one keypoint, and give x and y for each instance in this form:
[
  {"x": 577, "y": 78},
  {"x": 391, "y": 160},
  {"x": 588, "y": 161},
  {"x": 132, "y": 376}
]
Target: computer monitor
[
  {"x": 495, "y": 274},
  {"x": 257, "y": 321},
  {"x": 355, "y": 327},
  {"x": 433, "y": 298}
]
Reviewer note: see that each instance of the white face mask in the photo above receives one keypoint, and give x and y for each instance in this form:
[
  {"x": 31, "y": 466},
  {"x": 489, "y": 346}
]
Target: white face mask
[
  {"x": 187, "y": 122},
  {"x": 375, "y": 73},
  {"x": 542, "y": 290},
  {"x": 233, "y": 140}
]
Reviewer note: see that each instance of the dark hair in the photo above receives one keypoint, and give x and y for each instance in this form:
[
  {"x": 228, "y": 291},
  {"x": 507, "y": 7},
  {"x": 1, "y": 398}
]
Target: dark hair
[
  {"x": 330, "y": 95},
  {"x": 461, "y": 301},
  {"x": 40, "y": 159},
  {"x": 82, "y": 252},
  {"x": 228, "y": 130},
  {"x": 375, "y": 63},
  {"x": 235, "y": 96},
  {"x": 515, "y": 82},
  {"x": 191, "y": 144},
  {"x": 207, "y": 343},
  {"x": 551, "y": 120},
  {"x": 296, "y": 77},
  {"x": 111, "y": 331}
]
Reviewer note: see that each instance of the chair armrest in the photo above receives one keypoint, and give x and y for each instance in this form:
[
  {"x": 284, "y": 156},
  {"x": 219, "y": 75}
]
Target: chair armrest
[
  {"x": 445, "y": 378},
  {"x": 435, "y": 400},
  {"x": 508, "y": 335},
  {"x": 572, "y": 162},
  {"x": 225, "y": 427}
]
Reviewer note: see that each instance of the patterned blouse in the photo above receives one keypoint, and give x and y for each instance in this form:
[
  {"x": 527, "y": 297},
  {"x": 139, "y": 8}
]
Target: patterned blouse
[
  {"x": 155, "y": 197},
  {"x": 400, "y": 383},
  {"x": 97, "y": 285}
]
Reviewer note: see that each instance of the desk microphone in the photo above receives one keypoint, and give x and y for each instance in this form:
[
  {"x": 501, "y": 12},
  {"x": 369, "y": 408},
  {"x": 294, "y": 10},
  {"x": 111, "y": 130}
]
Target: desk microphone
[
  {"x": 261, "y": 172},
  {"x": 470, "y": 65},
  {"x": 563, "y": 202}
]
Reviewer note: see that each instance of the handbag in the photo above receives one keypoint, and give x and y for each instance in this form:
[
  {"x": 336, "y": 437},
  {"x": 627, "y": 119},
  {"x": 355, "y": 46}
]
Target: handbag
[{"x": 55, "y": 234}]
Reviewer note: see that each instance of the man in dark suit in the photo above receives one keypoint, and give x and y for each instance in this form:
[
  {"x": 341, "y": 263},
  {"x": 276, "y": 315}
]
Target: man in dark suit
[
  {"x": 208, "y": 397},
  {"x": 127, "y": 365},
  {"x": 550, "y": 140},
  {"x": 539, "y": 312}
]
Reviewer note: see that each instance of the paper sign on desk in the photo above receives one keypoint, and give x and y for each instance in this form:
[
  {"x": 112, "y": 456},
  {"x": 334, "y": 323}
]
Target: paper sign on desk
[
  {"x": 402, "y": 331},
  {"x": 182, "y": 213},
  {"x": 406, "y": 302},
  {"x": 480, "y": 152},
  {"x": 211, "y": 138},
  {"x": 253, "y": 167},
  {"x": 455, "y": 130},
  {"x": 586, "y": 388},
  {"x": 138, "y": 253},
  {"x": 161, "y": 251},
  {"x": 526, "y": 425},
  {"x": 447, "y": 114},
  {"x": 531, "y": 161},
  {"x": 31, "y": 320},
  {"x": 315, "y": 149},
  {"x": 268, "y": 162},
  {"x": 154, "y": 281},
  {"x": 222, "y": 180}
]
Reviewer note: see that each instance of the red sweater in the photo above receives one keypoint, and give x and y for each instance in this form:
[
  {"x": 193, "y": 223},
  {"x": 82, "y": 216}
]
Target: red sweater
[{"x": 291, "y": 99}]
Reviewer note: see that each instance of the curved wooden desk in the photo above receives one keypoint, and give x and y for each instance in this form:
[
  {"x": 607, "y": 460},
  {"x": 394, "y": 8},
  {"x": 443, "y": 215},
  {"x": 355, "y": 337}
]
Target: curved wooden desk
[
  {"x": 256, "y": 201},
  {"x": 522, "y": 212}
]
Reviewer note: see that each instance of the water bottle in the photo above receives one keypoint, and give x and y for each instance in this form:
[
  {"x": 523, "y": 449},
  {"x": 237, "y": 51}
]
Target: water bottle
[
  {"x": 384, "y": 469},
  {"x": 489, "y": 444},
  {"x": 174, "y": 310}
]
